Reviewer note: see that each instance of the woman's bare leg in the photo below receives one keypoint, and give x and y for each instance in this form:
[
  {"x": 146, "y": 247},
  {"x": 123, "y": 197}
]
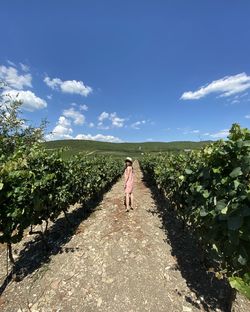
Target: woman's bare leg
[
  {"x": 132, "y": 200},
  {"x": 127, "y": 201}
]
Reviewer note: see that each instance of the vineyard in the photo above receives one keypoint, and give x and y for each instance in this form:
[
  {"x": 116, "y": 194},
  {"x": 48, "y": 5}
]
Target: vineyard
[
  {"x": 35, "y": 185},
  {"x": 209, "y": 189},
  {"x": 210, "y": 192}
]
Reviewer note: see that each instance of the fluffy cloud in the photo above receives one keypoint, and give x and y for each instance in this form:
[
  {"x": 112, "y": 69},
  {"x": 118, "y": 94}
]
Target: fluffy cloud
[
  {"x": 218, "y": 135},
  {"x": 225, "y": 87},
  {"x": 98, "y": 137},
  {"x": 247, "y": 116},
  {"x": 136, "y": 125},
  {"x": 62, "y": 130},
  {"x": 13, "y": 79},
  {"x": 103, "y": 116},
  {"x": 52, "y": 83},
  {"x": 68, "y": 86},
  {"x": 116, "y": 122},
  {"x": 30, "y": 101},
  {"x": 78, "y": 118},
  {"x": 83, "y": 107}
]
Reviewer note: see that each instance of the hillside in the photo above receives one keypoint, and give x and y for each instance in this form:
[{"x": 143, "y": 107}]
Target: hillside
[{"x": 121, "y": 149}]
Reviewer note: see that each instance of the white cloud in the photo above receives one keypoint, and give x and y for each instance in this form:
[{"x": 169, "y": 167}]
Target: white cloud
[
  {"x": 11, "y": 63},
  {"x": 103, "y": 116},
  {"x": 247, "y": 116},
  {"x": 98, "y": 137},
  {"x": 225, "y": 86},
  {"x": 52, "y": 83},
  {"x": 13, "y": 79},
  {"x": 237, "y": 96},
  {"x": 62, "y": 130},
  {"x": 188, "y": 130},
  {"x": 236, "y": 101},
  {"x": 83, "y": 107},
  {"x": 116, "y": 121},
  {"x": 24, "y": 67},
  {"x": 30, "y": 101},
  {"x": 68, "y": 86},
  {"x": 77, "y": 87},
  {"x": 49, "y": 96},
  {"x": 220, "y": 135},
  {"x": 136, "y": 125},
  {"x": 91, "y": 125},
  {"x": 78, "y": 118}
]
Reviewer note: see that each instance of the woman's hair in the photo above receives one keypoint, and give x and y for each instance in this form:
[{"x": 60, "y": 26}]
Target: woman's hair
[{"x": 128, "y": 163}]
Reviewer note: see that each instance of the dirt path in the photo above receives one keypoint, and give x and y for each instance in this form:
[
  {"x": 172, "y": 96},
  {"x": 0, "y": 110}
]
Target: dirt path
[{"x": 116, "y": 262}]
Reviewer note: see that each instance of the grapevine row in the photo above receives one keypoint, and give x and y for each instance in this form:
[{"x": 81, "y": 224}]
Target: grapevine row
[
  {"x": 210, "y": 190},
  {"x": 36, "y": 186}
]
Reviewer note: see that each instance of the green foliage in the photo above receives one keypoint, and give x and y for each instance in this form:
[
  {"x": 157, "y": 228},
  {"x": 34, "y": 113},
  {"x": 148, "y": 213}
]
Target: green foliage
[
  {"x": 36, "y": 185},
  {"x": 211, "y": 192},
  {"x": 241, "y": 284},
  {"x": 14, "y": 131}
]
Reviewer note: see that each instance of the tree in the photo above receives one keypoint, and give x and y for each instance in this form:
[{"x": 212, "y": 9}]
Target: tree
[{"x": 15, "y": 133}]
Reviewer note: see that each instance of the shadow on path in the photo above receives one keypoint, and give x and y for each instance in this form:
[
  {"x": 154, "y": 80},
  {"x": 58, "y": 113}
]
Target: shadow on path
[
  {"x": 212, "y": 293},
  {"x": 38, "y": 251}
]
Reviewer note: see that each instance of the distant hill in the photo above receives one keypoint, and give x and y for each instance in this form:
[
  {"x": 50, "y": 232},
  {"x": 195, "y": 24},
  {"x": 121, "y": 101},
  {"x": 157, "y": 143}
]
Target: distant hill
[{"x": 121, "y": 149}]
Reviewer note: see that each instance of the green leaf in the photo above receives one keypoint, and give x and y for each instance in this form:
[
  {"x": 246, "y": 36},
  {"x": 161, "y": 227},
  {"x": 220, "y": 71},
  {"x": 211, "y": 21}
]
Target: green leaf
[
  {"x": 216, "y": 170},
  {"x": 203, "y": 212},
  {"x": 221, "y": 204},
  {"x": 236, "y": 184},
  {"x": 215, "y": 247},
  {"x": 236, "y": 172},
  {"x": 224, "y": 210},
  {"x": 206, "y": 194},
  {"x": 242, "y": 260},
  {"x": 239, "y": 284},
  {"x": 181, "y": 177},
  {"x": 1, "y": 185},
  {"x": 246, "y": 143}
]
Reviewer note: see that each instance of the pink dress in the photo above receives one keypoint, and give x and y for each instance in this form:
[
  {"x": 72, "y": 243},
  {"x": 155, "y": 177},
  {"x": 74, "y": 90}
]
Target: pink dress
[{"x": 129, "y": 180}]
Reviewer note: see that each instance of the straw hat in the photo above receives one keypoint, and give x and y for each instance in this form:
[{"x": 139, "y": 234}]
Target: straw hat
[{"x": 129, "y": 159}]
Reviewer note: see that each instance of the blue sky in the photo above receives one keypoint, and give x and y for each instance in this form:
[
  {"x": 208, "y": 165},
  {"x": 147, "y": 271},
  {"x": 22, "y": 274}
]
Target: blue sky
[{"x": 134, "y": 70}]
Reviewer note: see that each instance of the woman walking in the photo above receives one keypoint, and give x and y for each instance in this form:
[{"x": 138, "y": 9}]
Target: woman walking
[{"x": 129, "y": 183}]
